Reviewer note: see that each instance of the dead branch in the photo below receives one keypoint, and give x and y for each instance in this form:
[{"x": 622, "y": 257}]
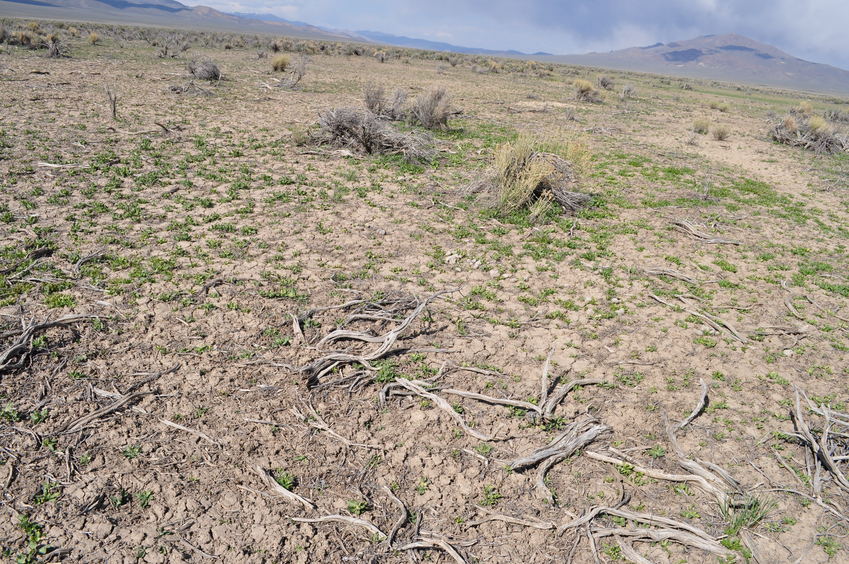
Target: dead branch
[
  {"x": 820, "y": 449},
  {"x": 344, "y": 519},
  {"x": 560, "y": 394},
  {"x": 690, "y": 229},
  {"x": 437, "y": 543},
  {"x": 15, "y": 355},
  {"x": 314, "y": 420},
  {"x": 417, "y": 389},
  {"x": 320, "y": 367},
  {"x": 81, "y": 422},
  {"x": 270, "y": 482},
  {"x": 713, "y": 321},
  {"x": 700, "y": 406},
  {"x": 671, "y": 274},
  {"x": 402, "y": 519},
  {"x": 660, "y": 535},
  {"x": 698, "y": 481},
  {"x": 576, "y": 436}
]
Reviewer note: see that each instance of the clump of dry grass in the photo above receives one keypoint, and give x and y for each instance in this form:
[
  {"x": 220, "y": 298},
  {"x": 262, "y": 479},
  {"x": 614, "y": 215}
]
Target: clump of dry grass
[
  {"x": 805, "y": 108},
  {"x": 720, "y": 132},
  {"x": 701, "y": 126},
  {"x": 721, "y": 106},
  {"x": 280, "y": 63},
  {"x": 93, "y": 38},
  {"x": 810, "y": 132},
  {"x": 628, "y": 92},
  {"x": 204, "y": 70},
  {"x": 432, "y": 109},
  {"x": 362, "y": 131},
  {"x": 585, "y": 92},
  {"x": 526, "y": 176}
]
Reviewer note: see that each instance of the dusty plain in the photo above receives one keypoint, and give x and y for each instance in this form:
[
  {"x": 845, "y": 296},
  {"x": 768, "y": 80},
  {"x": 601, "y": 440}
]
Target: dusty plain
[{"x": 189, "y": 232}]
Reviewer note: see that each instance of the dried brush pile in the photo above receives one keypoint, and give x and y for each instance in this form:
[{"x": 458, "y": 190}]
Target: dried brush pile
[
  {"x": 362, "y": 131},
  {"x": 376, "y": 101},
  {"x": 526, "y": 177},
  {"x": 836, "y": 116},
  {"x": 432, "y": 109},
  {"x": 812, "y": 132},
  {"x": 204, "y": 70}
]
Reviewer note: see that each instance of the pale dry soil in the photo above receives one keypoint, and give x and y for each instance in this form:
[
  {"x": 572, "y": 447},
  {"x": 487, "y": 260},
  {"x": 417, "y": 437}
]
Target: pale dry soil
[{"x": 203, "y": 240}]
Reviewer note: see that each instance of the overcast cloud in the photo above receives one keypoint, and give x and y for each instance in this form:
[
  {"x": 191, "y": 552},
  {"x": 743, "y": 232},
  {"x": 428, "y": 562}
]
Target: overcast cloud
[{"x": 816, "y": 30}]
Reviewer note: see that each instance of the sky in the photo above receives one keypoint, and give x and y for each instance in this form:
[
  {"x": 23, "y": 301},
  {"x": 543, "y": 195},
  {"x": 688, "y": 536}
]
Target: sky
[{"x": 817, "y": 30}]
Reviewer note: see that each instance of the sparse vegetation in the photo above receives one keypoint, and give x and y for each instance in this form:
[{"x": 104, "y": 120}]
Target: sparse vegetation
[
  {"x": 585, "y": 92},
  {"x": 280, "y": 63},
  {"x": 720, "y": 132},
  {"x": 204, "y": 70},
  {"x": 377, "y": 335}
]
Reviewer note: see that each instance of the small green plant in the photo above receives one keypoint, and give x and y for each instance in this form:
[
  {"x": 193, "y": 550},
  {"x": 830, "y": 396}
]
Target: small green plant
[
  {"x": 491, "y": 496},
  {"x": 422, "y": 486},
  {"x": 829, "y": 545},
  {"x": 9, "y": 414},
  {"x": 747, "y": 514},
  {"x": 358, "y": 506},
  {"x": 657, "y": 451},
  {"x": 285, "y": 479},
  {"x": 144, "y": 498},
  {"x": 131, "y": 452},
  {"x": 484, "y": 449},
  {"x": 34, "y": 533},
  {"x": 50, "y": 491}
]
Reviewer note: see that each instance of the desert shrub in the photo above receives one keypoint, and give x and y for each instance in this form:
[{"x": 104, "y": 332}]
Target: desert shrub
[
  {"x": 375, "y": 100},
  {"x": 605, "y": 82},
  {"x": 297, "y": 71},
  {"x": 808, "y": 132},
  {"x": 22, "y": 38},
  {"x": 73, "y": 32},
  {"x": 380, "y": 56},
  {"x": 720, "y": 132},
  {"x": 585, "y": 92},
  {"x": 526, "y": 176},
  {"x": 628, "y": 91},
  {"x": 4, "y": 35},
  {"x": 280, "y": 63},
  {"x": 721, "y": 106},
  {"x": 93, "y": 38},
  {"x": 54, "y": 47},
  {"x": 432, "y": 109},
  {"x": 362, "y": 131},
  {"x": 274, "y": 46},
  {"x": 836, "y": 116},
  {"x": 805, "y": 108},
  {"x": 204, "y": 70},
  {"x": 701, "y": 126}
]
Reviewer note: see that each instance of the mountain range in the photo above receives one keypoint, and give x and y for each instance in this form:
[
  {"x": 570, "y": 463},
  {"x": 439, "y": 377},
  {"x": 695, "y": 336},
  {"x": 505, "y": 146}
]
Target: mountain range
[{"x": 729, "y": 57}]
